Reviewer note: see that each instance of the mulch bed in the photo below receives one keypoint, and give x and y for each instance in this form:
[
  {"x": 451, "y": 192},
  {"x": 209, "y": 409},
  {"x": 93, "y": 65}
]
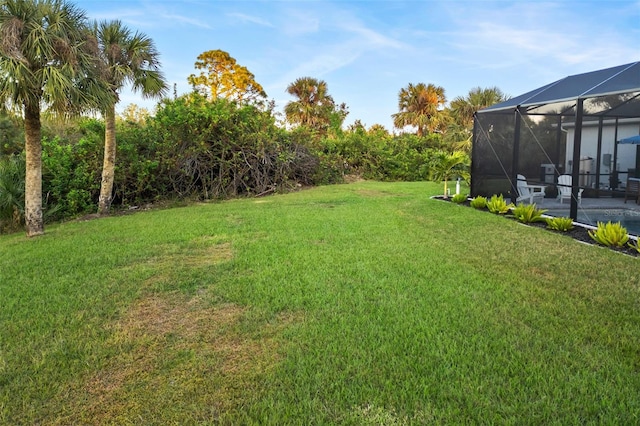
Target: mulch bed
[{"x": 578, "y": 232}]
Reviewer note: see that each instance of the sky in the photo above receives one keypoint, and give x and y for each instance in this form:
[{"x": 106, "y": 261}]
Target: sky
[{"x": 366, "y": 51}]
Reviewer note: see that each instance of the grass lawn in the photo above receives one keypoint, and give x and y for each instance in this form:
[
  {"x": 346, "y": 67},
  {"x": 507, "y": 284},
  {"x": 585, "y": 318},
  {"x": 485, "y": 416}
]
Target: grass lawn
[{"x": 367, "y": 303}]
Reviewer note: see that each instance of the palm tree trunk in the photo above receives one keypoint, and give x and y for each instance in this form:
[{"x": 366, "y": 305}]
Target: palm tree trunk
[
  {"x": 33, "y": 176},
  {"x": 109, "y": 164}
]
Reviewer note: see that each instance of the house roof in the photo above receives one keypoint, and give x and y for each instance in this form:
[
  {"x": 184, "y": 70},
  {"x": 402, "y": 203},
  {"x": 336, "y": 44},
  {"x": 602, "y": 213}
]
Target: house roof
[{"x": 618, "y": 90}]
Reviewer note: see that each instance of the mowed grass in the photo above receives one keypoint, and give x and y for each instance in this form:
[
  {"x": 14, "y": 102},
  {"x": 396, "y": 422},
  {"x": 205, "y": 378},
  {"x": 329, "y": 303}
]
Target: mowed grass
[{"x": 367, "y": 303}]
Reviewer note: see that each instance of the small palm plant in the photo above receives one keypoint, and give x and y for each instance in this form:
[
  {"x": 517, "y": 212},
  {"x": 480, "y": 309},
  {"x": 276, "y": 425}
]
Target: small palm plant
[{"x": 444, "y": 166}]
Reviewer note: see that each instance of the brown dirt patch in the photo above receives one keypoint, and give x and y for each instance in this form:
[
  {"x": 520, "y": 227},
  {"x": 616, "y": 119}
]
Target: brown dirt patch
[
  {"x": 353, "y": 178},
  {"x": 171, "y": 260},
  {"x": 175, "y": 356},
  {"x": 201, "y": 252},
  {"x": 372, "y": 193}
]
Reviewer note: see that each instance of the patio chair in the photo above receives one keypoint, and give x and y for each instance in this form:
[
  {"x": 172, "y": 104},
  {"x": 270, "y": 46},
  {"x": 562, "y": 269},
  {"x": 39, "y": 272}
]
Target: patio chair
[
  {"x": 529, "y": 192},
  {"x": 632, "y": 190},
  {"x": 564, "y": 188}
]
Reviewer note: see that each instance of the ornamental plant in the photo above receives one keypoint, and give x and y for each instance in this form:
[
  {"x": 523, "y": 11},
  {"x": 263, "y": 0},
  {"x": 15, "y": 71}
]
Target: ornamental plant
[
  {"x": 459, "y": 198},
  {"x": 610, "y": 234},
  {"x": 528, "y": 213},
  {"x": 498, "y": 205},
  {"x": 562, "y": 224},
  {"x": 479, "y": 202},
  {"x": 635, "y": 246}
]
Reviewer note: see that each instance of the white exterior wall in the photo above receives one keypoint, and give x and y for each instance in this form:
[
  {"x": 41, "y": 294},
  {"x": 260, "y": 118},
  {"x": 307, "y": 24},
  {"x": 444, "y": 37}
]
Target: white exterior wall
[{"x": 589, "y": 146}]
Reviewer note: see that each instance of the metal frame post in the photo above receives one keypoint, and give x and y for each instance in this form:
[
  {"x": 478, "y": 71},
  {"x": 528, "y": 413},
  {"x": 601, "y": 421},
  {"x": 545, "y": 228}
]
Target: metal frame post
[
  {"x": 575, "y": 173},
  {"x": 516, "y": 155}
]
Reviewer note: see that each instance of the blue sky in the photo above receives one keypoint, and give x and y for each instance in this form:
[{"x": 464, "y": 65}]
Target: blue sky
[{"x": 367, "y": 51}]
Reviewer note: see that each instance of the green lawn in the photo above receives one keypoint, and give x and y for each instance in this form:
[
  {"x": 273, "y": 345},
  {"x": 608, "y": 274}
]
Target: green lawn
[{"x": 367, "y": 303}]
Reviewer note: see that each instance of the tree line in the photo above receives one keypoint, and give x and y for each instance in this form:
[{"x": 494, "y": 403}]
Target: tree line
[{"x": 224, "y": 139}]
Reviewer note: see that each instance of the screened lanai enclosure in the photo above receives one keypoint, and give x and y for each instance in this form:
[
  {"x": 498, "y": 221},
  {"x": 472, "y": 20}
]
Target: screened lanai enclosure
[{"x": 582, "y": 126}]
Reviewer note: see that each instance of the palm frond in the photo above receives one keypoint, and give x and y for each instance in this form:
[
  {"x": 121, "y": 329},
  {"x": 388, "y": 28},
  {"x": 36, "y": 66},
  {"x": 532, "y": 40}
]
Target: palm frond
[{"x": 128, "y": 58}]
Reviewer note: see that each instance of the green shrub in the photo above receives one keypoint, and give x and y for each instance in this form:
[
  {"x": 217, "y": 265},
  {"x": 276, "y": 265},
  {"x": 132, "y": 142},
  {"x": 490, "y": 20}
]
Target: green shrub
[
  {"x": 479, "y": 202},
  {"x": 221, "y": 149},
  {"x": 498, "y": 205},
  {"x": 459, "y": 198},
  {"x": 72, "y": 166},
  {"x": 375, "y": 154},
  {"x": 12, "y": 175},
  {"x": 11, "y": 134},
  {"x": 563, "y": 224},
  {"x": 635, "y": 246},
  {"x": 610, "y": 234},
  {"x": 528, "y": 213}
]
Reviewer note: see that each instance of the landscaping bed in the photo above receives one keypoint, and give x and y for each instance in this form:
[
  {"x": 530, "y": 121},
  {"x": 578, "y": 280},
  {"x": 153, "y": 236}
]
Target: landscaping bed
[{"x": 580, "y": 232}]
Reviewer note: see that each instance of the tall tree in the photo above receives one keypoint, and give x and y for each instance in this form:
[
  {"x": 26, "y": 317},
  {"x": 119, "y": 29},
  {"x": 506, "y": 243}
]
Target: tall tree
[
  {"x": 47, "y": 59},
  {"x": 314, "y": 108},
  {"x": 222, "y": 77},
  {"x": 420, "y": 106},
  {"x": 125, "y": 58},
  {"x": 135, "y": 114},
  {"x": 463, "y": 107}
]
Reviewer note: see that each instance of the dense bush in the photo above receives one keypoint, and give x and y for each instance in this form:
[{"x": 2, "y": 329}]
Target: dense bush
[
  {"x": 139, "y": 177},
  {"x": 12, "y": 176},
  {"x": 194, "y": 148},
  {"x": 379, "y": 156},
  {"x": 11, "y": 134},
  {"x": 221, "y": 149},
  {"x": 72, "y": 167}
]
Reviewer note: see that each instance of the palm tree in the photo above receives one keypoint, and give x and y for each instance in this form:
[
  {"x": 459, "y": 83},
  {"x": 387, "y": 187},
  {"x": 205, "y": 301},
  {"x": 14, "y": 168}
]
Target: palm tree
[
  {"x": 445, "y": 165},
  {"x": 420, "y": 106},
  {"x": 463, "y": 108},
  {"x": 126, "y": 58},
  {"x": 314, "y": 106},
  {"x": 46, "y": 60}
]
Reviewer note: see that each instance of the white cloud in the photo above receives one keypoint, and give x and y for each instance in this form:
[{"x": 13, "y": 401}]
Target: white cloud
[
  {"x": 251, "y": 19},
  {"x": 545, "y": 39},
  {"x": 370, "y": 38},
  {"x": 346, "y": 39},
  {"x": 148, "y": 17},
  {"x": 297, "y": 22},
  {"x": 173, "y": 17},
  {"x": 121, "y": 14}
]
